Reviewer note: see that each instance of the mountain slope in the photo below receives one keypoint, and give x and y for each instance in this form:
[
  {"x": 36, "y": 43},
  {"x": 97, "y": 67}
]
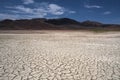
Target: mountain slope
[{"x": 54, "y": 24}]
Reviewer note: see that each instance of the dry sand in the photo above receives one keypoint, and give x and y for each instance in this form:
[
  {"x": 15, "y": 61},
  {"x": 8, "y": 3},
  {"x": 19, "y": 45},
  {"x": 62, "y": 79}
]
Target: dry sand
[{"x": 57, "y": 55}]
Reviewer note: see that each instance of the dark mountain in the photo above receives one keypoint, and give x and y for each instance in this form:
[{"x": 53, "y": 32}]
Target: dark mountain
[
  {"x": 25, "y": 24},
  {"x": 62, "y": 21},
  {"x": 91, "y": 23},
  {"x": 54, "y": 24}
]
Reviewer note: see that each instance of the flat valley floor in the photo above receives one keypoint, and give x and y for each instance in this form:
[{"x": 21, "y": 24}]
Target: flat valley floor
[{"x": 60, "y": 55}]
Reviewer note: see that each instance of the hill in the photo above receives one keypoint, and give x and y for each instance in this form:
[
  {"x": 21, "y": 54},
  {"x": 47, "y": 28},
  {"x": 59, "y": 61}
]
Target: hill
[{"x": 55, "y": 24}]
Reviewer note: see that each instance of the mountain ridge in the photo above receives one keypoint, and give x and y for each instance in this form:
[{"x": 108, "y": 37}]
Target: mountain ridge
[{"x": 54, "y": 24}]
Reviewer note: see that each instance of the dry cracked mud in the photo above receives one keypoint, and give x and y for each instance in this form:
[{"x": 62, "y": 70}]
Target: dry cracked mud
[{"x": 60, "y": 56}]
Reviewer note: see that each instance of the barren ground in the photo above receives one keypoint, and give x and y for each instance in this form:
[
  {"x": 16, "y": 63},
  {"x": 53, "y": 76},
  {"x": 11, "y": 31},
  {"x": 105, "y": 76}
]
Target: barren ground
[{"x": 56, "y": 55}]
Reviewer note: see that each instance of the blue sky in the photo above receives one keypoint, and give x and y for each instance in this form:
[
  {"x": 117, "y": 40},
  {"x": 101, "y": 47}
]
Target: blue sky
[{"x": 106, "y": 11}]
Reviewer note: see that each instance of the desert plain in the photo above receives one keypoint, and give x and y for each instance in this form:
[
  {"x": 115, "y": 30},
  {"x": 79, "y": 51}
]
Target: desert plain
[{"x": 59, "y": 55}]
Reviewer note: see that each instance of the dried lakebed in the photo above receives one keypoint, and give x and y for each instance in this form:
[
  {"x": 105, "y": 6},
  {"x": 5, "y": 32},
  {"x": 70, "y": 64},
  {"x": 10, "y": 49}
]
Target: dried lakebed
[{"x": 60, "y": 56}]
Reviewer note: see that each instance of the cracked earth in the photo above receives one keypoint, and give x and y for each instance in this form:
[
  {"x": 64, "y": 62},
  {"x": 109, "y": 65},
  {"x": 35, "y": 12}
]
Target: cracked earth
[{"x": 60, "y": 56}]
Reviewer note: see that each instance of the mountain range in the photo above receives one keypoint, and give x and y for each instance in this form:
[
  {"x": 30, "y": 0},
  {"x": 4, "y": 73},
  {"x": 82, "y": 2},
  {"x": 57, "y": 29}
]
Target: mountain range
[{"x": 55, "y": 24}]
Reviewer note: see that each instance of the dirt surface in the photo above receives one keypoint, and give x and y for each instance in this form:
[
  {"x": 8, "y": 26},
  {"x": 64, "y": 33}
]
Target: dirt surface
[{"x": 56, "y": 55}]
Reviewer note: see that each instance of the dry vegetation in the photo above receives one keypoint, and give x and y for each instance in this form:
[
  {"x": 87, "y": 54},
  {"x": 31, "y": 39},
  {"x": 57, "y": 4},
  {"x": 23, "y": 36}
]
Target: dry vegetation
[{"x": 56, "y": 55}]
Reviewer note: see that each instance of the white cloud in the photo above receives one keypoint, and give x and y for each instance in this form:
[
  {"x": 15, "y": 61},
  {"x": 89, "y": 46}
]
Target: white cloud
[
  {"x": 24, "y": 9},
  {"x": 92, "y": 6},
  {"x": 28, "y": 1},
  {"x": 72, "y": 11},
  {"x": 43, "y": 10},
  {"x": 55, "y": 9},
  {"x": 107, "y": 12},
  {"x": 8, "y": 16},
  {"x": 34, "y": 12}
]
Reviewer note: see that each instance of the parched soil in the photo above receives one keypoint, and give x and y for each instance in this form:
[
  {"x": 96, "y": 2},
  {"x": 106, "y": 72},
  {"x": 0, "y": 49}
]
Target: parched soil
[{"x": 57, "y": 55}]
